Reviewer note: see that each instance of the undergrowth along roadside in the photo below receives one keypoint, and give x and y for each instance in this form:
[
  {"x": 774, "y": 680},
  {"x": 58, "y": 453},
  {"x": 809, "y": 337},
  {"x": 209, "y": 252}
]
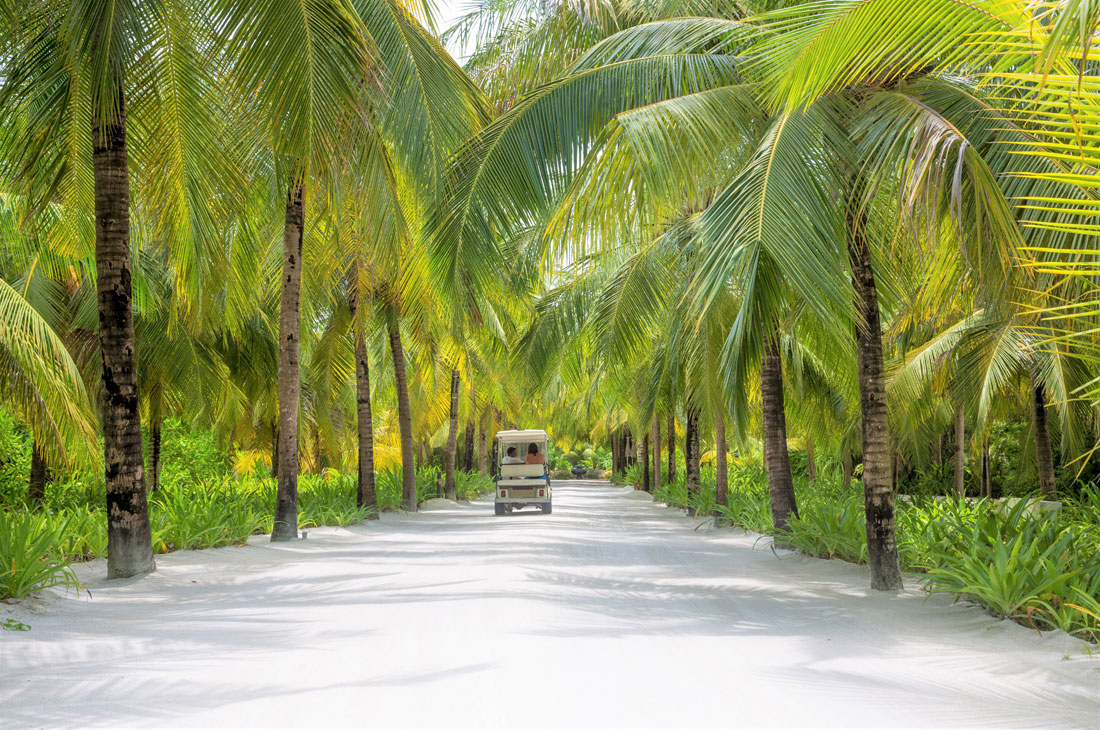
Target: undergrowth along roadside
[
  {"x": 38, "y": 544},
  {"x": 1038, "y": 568}
]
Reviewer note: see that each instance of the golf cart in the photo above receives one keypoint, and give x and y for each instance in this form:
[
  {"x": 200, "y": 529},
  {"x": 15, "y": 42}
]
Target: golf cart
[{"x": 522, "y": 483}]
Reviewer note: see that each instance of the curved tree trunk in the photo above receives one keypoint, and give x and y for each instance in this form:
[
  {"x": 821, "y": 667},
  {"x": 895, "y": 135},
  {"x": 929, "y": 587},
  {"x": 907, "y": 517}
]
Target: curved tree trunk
[
  {"x": 691, "y": 454},
  {"x": 404, "y": 416},
  {"x": 1044, "y": 454},
  {"x": 285, "y": 526},
  {"x": 721, "y": 449},
  {"x": 452, "y": 440},
  {"x": 129, "y": 537},
  {"x": 777, "y": 458},
  {"x": 960, "y": 453},
  {"x": 882, "y": 547},
  {"x": 655, "y": 452},
  {"x": 36, "y": 490},
  {"x": 365, "y": 494},
  {"x": 671, "y": 448}
]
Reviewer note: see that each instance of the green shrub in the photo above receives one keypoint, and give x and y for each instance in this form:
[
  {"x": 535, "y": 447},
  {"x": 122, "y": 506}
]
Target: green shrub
[{"x": 30, "y": 556}]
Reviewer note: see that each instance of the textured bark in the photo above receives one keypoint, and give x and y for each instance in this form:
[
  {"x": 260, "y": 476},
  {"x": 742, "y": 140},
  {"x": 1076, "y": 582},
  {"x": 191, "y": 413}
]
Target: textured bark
[
  {"x": 960, "y": 453},
  {"x": 1044, "y": 454},
  {"x": 365, "y": 493},
  {"x": 129, "y": 538},
  {"x": 286, "y": 499},
  {"x": 404, "y": 416},
  {"x": 721, "y": 474},
  {"x": 777, "y": 458},
  {"x": 494, "y": 459},
  {"x": 655, "y": 451},
  {"x": 882, "y": 548},
  {"x": 36, "y": 491},
  {"x": 811, "y": 463},
  {"x": 691, "y": 453},
  {"x": 671, "y": 448},
  {"x": 452, "y": 440},
  {"x": 645, "y": 463}
]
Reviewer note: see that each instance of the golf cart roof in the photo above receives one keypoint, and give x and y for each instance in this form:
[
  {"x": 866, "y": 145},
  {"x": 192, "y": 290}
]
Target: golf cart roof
[{"x": 525, "y": 436}]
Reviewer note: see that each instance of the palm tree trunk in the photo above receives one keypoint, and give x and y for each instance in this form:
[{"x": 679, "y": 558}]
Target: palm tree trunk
[
  {"x": 482, "y": 445},
  {"x": 691, "y": 454},
  {"x": 1044, "y": 454},
  {"x": 882, "y": 547},
  {"x": 129, "y": 538},
  {"x": 404, "y": 416},
  {"x": 987, "y": 486},
  {"x": 285, "y": 526},
  {"x": 645, "y": 463},
  {"x": 671, "y": 448},
  {"x": 468, "y": 460},
  {"x": 960, "y": 453},
  {"x": 452, "y": 440},
  {"x": 36, "y": 490},
  {"x": 365, "y": 494},
  {"x": 275, "y": 451},
  {"x": 721, "y": 467},
  {"x": 811, "y": 464},
  {"x": 847, "y": 466},
  {"x": 655, "y": 450},
  {"x": 155, "y": 442},
  {"x": 777, "y": 458}
]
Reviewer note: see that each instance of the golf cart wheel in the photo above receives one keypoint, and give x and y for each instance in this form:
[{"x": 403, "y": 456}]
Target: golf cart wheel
[
  {"x": 546, "y": 508},
  {"x": 498, "y": 509}
]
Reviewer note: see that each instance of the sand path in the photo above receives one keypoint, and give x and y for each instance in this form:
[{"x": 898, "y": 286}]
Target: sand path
[{"x": 610, "y": 612}]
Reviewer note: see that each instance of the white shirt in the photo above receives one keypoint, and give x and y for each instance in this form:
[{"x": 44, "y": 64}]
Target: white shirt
[{"x": 512, "y": 460}]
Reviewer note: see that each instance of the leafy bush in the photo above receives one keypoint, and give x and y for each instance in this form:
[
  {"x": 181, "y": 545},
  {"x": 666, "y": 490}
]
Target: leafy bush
[{"x": 30, "y": 555}]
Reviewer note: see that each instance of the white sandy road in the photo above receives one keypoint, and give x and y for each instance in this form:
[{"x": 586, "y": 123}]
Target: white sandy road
[{"x": 610, "y": 612}]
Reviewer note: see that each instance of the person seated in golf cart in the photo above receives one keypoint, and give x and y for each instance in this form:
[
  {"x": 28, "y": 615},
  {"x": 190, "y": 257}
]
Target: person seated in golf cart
[
  {"x": 511, "y": 458},
  {"x": 533, "y": 455}
]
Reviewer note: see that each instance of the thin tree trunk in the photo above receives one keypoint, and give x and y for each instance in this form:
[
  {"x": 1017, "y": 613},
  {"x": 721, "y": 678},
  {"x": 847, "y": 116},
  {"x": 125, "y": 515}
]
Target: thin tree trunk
[
  {"x": 452, "y": 440},
  {"x": 482, "y": 444},
  {"x": 939, "y": 450},
  {"x": 645, "y": 463},
  {"x": 494, "y": 459},
  {"x": 274, "y": 452},
  {"x": 671, "y": 448},
  {"x": 777, "y": 458},
  {"x": 847, "y": 465},
  {"x": 36, "y": 490},
  {"x": 1044, "y": 454},
  {"x": 960, "y": 453},
  {"x": 155, "y": 442},
  {"x": 468, "y": 460},
  {"x": 286, "y": 501},
  {"x": 655, "y": 451},
  {"x": 882, "y": 548},
  {"x": 129, "y": 537},
  {"x": 721, "y": 467},
  {"x": 811, "y": 463},
  {"x": 404, "y": 416},
  {"x": 365, "y": 494},
  {"x": 987, "y": 490},
  {"x": 691, "y": 454}
]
